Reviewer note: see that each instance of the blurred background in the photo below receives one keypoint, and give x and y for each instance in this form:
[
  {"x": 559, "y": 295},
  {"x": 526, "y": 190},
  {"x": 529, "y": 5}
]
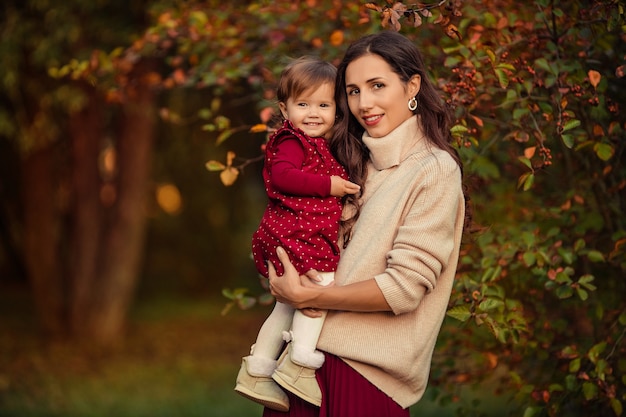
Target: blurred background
[{"x": 130, "y": 185}]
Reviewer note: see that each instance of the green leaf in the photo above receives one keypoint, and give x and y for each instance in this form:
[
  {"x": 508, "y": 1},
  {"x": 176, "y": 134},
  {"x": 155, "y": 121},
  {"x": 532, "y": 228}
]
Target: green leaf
[
  {"x": 570, "y": 124},
  {"x": 528, "y": 238},
  {"x": 571, "y": 382},
  {"x": 529, "y": 258},
  {"x": 586, "y": 281},
  {"x": 504, "y": 65},
  {"x": 519, "y": 112},
  {"x": 214, "y": 166},
  {"x": 590, "y": 391},
  {"x": 574, "y": 365},
  {"x": 529, "y": 181},
  {"x": 543, "y": 64},
  {"x": 223, "y": 136},
  {"x": 596, "y": 256},
  {"x": 222, "y": 122},
  {"x": 601, "y": 369},
  {"x": 582, "y": 294},
  {"x": 531, "y": 411},
  {"x": 496, "y": 290},
  {"x": 503, "y": 78},
  {"x": 604, "y": 151},
  {"x": 563, "y": 278},
  {"x": 564, "y": 291},
  {"x": 451, "y": 61},
  {"x": 568, "y": 140},
  {"x": 556, "y": 388},
  {"x": 596, "y": 351},
  {"x": 458, "y": 130},
  {"x": 525, "y": 161},
  {"x": 616, "y": 405},
  {"x": 205, "y": 113},
  {"x": 580, "y": 244},
  {"x": 490, "y": 304},
  {"x": 461, "y": 313},
  {"x": 567, "y": 255}
]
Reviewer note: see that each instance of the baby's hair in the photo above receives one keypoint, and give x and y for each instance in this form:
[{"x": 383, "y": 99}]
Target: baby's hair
[{"x": 303, "y": 74}]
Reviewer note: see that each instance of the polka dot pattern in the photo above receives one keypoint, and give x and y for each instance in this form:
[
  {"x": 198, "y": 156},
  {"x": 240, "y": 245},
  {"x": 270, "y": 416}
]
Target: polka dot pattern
[{"x": 306, "y": 227}]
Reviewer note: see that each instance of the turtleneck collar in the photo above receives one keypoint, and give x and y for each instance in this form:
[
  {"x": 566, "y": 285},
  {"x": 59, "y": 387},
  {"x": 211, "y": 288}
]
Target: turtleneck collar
[{"x": 390, "y": 150}]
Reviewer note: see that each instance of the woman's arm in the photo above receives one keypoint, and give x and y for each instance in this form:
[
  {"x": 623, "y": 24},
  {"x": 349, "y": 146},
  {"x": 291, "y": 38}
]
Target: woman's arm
[{"x": 288, "y": 288}]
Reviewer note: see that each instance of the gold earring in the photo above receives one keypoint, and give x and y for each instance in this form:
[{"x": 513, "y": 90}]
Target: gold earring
[{"x": 412, "y": 104}]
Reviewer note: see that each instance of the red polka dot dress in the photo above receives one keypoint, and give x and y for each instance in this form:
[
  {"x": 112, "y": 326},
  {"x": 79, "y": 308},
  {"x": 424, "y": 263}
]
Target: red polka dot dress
[{"x": 301, "y": 215}]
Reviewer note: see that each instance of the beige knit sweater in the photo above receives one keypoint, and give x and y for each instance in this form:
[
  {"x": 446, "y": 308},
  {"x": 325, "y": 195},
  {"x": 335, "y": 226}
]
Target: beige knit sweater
[{"x": 407, "y": 238}]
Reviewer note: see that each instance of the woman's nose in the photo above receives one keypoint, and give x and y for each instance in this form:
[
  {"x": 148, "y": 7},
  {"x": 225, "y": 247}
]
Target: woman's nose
[{"x": 365, "y": 101}]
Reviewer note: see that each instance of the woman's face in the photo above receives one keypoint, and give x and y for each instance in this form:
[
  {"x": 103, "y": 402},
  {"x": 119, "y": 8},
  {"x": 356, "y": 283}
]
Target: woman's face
[{"x": 377, "y": 97}]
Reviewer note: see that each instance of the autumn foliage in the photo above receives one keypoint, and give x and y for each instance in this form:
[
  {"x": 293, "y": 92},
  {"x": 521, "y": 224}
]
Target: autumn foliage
[{"x": 538, "y": 92}]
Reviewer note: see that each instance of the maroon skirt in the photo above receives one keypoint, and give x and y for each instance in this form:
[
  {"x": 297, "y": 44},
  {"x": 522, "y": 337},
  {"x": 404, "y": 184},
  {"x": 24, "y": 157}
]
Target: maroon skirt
[{"x": 345, "y": 393}]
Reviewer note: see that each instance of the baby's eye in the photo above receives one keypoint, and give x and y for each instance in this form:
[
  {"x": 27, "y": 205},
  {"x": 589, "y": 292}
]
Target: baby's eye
[{"x": 301, "y": 104}]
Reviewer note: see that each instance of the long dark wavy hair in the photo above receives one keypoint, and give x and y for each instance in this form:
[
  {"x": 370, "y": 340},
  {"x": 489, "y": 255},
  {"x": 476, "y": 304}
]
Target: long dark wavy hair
[{"x": 405, "y": 60}]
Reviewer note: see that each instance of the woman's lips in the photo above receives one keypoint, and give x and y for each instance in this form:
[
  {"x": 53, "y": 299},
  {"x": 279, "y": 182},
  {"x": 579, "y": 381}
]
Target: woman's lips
[{"x": 372, "y": 120}]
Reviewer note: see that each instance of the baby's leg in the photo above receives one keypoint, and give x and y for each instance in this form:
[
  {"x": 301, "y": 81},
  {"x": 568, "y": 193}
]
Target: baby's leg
[
  {"x": 270, "y": 338},
  {"x": 305, "y": 331}
]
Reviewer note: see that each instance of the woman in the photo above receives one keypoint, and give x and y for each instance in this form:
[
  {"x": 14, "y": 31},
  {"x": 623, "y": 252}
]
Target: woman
[{"x": 401, "y": 240}]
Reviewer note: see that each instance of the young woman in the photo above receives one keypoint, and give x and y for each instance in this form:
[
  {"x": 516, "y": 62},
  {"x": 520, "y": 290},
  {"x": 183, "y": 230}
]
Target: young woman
[
  {"x": 401, "y": 241},
  {"x": 304, "y": 184}
]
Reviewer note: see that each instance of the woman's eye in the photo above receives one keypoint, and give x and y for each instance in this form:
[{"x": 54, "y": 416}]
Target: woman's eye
[
  {"x": 353, "y": 92},
  {"x": 378, "y": 86}
]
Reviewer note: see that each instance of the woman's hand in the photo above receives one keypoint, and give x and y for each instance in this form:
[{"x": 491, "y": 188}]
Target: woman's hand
[
  {"x": 291, "y": 288},
  {"x": 286, "y": 288}
]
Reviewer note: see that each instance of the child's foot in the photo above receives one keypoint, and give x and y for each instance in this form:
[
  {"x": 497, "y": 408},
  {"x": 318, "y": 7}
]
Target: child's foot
[
  {"x": 259, "y": 386},
  {"x": 298, "y": 379}
]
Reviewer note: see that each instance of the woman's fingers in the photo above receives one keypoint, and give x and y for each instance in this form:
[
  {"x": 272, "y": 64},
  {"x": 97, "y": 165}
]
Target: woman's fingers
[
  {"x": 311, "y": 312},
  {"x": 283, "y": 257},
  {"x": 271, "y": 274},
  {"x": 313, "y": 275}
]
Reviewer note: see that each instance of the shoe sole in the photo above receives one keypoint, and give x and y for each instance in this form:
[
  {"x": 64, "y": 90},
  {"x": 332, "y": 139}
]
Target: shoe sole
[
  {"x": 285, "y": 385},
  {"x": 265, "y": 401}
]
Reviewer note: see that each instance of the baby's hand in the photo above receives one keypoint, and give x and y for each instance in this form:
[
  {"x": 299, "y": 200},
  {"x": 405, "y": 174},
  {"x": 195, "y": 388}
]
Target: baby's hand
[{"x": 340, "y": 187}]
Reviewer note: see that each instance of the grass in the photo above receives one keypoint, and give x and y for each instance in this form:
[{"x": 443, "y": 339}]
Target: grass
[{"x": 180, "y": 359}]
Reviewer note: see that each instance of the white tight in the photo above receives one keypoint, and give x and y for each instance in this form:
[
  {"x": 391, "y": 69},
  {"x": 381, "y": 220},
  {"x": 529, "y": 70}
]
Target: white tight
[{"x": 305, "y": 330}]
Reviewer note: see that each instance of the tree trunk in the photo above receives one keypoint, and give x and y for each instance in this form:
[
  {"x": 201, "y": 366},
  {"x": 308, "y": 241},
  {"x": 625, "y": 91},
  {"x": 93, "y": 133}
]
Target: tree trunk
[
  {"x": 123, "y": 242},
  {"x": 42, "y": 235},
  {"x": 85, "y": 234}
]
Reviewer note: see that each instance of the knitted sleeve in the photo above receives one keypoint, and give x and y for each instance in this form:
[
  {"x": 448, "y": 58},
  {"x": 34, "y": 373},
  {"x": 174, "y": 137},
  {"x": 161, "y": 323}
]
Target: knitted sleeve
[{"x": 426, "y": 238}]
